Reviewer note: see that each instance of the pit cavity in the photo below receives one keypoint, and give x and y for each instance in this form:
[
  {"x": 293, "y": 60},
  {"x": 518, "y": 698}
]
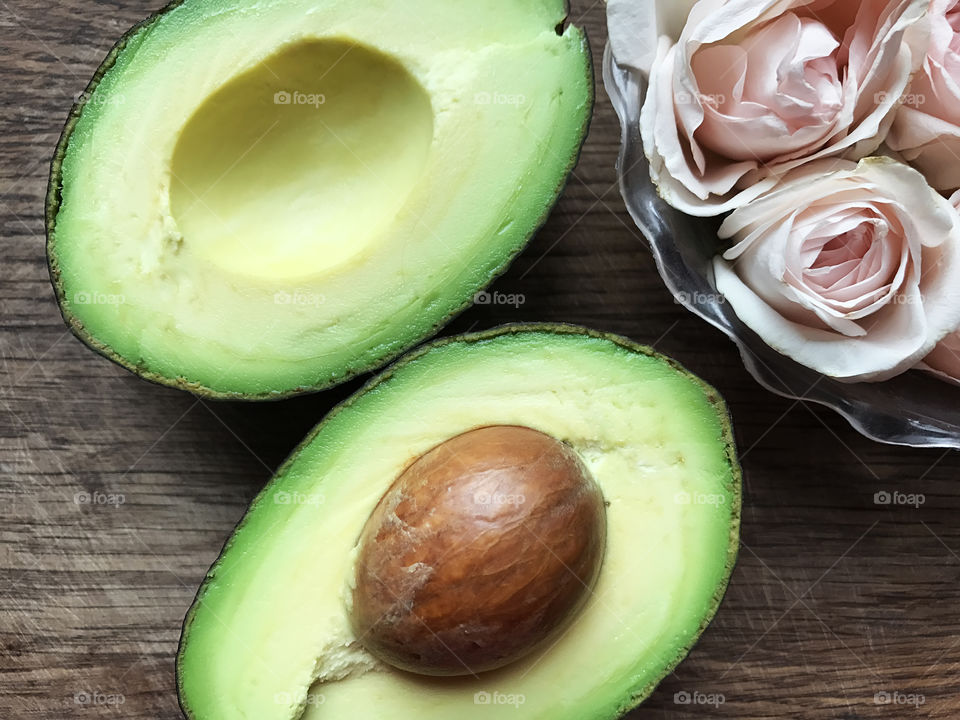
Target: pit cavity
[{"x": 298, "y": 164}]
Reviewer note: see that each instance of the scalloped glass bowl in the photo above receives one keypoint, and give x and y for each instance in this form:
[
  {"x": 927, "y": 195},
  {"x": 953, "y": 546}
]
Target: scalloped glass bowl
[{"x": 914, "y": 409}]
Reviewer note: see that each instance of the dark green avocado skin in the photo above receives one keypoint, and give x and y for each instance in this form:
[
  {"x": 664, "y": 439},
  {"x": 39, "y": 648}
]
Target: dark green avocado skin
[
  {"x": 52, "y": 208},
  {"x": 479, "y": 337}
]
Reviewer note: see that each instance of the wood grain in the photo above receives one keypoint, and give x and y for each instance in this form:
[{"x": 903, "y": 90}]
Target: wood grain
[{"x": 835, "y": 598}]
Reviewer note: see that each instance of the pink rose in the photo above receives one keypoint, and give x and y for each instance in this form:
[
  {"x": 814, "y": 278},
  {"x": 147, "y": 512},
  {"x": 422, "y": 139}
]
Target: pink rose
[
  {"x": 850, "y": 269},
  {"x": 926, "y": 131},
  {"x": 752, "y": 89},
  {"x": 945, "y": 358}
]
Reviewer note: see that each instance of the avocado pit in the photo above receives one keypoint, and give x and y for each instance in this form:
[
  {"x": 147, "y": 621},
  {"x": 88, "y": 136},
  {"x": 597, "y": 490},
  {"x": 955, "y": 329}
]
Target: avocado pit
[{"x": 483, "y": 548}]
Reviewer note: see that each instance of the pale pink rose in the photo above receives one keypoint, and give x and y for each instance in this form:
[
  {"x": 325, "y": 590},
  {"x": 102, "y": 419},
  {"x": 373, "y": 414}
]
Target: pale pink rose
[
  {"x": 752, "y": 89},
  {"x": 850, "y": 269},
  {"x": 926, "y": 131},
  {"x": 945, "y": 358}
]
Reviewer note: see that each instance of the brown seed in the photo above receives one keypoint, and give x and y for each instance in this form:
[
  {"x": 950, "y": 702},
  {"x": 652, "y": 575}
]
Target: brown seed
[{"x": 480, "y": 550}]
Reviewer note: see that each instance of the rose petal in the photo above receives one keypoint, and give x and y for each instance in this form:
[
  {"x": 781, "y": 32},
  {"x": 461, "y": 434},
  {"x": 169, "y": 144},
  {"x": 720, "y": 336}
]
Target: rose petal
[
  {"x": 945, "y": 359},
  {"x": 939, "y": 156}
]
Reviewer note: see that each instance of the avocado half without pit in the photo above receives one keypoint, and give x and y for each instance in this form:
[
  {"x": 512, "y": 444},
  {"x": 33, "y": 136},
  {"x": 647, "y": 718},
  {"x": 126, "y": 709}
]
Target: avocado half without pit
[
  {"x": 541, "y": 518},
  {"x": 255, "y": 198}
]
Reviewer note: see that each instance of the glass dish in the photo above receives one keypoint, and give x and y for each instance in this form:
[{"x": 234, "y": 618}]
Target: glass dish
[{"x": 914, "y": 409}]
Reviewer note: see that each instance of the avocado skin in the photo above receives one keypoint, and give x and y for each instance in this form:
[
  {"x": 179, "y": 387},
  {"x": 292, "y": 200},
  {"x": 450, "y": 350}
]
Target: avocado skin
[
  {"x": 736, "y": 474},
  {"x": 52, "y": 208}
]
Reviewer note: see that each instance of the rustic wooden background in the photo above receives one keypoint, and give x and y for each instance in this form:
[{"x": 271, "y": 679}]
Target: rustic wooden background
[{"x": 835, "y": 599}]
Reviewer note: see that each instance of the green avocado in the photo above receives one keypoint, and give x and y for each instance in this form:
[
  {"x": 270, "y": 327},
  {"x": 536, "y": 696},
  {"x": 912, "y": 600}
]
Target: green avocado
[
  {"x": 256, "y": 198},
  {"x": 268, "y": 636}
]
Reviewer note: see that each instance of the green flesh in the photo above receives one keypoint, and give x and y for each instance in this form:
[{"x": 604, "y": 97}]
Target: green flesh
[
  {"x": 269, "y": 637},
  {"x": 261, "y": 198}
]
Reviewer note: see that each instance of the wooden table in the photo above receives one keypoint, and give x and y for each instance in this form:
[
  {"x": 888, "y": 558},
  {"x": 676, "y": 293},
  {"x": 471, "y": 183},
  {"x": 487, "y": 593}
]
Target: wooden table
[{"x": 835, "y": 598}]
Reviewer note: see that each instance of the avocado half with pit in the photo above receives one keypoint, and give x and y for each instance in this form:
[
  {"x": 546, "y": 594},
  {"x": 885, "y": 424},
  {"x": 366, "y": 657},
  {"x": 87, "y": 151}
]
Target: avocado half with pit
[
  {"x": 260, "y": 197},
  {"x": 537, "y": 517}
]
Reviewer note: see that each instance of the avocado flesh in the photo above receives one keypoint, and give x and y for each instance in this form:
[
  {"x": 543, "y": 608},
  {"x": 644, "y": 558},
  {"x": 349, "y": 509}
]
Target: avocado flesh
[
  {"x": 269, "y": 635},
  {"x": 206, "y": 234}
]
